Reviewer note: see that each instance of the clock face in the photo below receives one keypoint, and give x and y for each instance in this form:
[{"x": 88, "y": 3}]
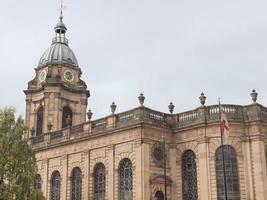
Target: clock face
[
  {"x": 69, "y": 76},
  {"x": 42, "y": 75}
]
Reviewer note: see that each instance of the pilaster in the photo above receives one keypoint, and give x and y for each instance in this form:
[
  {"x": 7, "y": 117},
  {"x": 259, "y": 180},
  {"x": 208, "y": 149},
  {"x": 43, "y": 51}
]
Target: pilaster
[
  {"x": 146, "y": 170},
  {"x": 45, "y": 178},
  {"x": 86, "y": 160},
  {"x": 259, "y": 168},
  {"x": 139, "y": 177},
  {"x": 203, "y": 169},
  {"x": 248, "y": 168},
  {"x": 173, "y": 170},
  {"x": 64, "y": 186},
  {"x": 111, "y": 171},
  {"x": 46, "y": 112}
]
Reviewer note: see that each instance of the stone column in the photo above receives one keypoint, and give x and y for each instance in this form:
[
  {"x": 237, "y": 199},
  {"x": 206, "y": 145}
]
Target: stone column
[
  {"x": 64, "y": 177},
  {"x": 203, "y": 168},
  {"x": 111, "y": 171},
  {"x": 259, "y": 167},
  {"x": 86, "y": 174}
]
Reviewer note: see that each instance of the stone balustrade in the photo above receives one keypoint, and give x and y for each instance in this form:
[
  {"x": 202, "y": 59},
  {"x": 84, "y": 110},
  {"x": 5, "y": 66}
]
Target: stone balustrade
[{"x": 144, "y": 115}]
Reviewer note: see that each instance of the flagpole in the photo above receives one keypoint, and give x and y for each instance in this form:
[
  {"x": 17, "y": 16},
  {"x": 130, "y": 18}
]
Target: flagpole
[{"x": 224, "y": 173}]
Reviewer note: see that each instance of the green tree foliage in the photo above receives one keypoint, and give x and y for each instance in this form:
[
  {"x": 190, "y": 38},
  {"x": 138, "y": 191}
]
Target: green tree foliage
[{"x": 17, "y": 160}]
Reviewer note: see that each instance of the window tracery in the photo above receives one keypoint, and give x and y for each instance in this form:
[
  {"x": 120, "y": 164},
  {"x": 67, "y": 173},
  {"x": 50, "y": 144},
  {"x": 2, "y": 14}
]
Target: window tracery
[
  {"x": 37, "y": 183},
  {"x": 55, "y": 186},
  {"x": 100, "y": 181},
  {"x": 76, "y": 184},
  {"x": 189, "y": 176},
  {"x": 231, "y": 172},
  {"x": 126, "y": 180}
]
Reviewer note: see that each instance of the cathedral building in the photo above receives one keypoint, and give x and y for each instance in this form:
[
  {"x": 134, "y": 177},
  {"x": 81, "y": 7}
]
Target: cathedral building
[{"x": 139, "y": 154}]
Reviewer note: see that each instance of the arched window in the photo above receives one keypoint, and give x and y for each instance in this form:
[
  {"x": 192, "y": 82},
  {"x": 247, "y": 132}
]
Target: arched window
[
  {"x": 189, "y": 175},
  {"x": 231, "y": 172},
  {"x": 76, "y": 184},
  {"x": 55, "y": 186},
  {"x": 126, "y": 180},
  {"x": 66, "y": 117},
  {"x": 159, "y": 195},
  {"x": 39, "y": 121},
  {"x": 100, "y": 181},
  {"x": 37, "y": 183}
]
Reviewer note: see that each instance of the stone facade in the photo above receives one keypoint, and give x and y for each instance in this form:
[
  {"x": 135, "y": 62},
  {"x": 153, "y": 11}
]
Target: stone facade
[
  {"x": 134, "y": 134},
  {"x": 63, "y": 140}
]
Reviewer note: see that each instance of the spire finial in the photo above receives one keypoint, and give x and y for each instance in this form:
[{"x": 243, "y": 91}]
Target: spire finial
[
  {"x": 62, "y": 7},
  {"x": 60, "y": 27}
]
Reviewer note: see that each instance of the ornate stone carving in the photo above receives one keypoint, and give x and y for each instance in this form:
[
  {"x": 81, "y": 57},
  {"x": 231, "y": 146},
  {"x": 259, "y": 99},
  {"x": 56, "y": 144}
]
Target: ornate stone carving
[{"x": 157, "y": 153}]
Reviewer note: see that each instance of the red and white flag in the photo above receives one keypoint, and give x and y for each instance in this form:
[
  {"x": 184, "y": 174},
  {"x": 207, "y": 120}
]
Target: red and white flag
[{"x": 224, "y": 126}]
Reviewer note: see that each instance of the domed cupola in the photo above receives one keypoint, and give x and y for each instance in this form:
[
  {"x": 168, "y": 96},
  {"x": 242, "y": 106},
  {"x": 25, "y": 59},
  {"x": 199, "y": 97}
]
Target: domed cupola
[{"x": 59, "y": 52}]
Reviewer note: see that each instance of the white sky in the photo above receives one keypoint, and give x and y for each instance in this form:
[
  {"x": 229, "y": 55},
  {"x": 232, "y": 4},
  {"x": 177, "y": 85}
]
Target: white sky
[{"x": 171, "y": 50}]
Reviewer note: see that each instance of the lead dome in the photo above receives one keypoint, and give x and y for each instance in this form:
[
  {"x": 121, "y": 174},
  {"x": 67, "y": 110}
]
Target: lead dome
[{"x": 59, "y": 52}]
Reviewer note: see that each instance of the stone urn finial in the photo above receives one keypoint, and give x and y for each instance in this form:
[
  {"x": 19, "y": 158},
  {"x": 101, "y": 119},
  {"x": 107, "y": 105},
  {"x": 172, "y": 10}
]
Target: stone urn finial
[
  {"x": 113, "y": 107},
  {"x": 141, "y": 99},
  {"x": 49, "y": 126},
  {"x": 171, "y": 107},
  {"x": 89, "y": 115},
  {"x": 202, "y": 99},
  {"x": 254, "y": 96},
  {"x": 32, "y": 131}
]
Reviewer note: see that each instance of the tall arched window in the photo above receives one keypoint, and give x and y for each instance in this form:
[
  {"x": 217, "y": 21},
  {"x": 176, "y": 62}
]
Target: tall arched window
[
  {"x": 76, "y": 184},
  {"x": 159, "y": 195},
  {"x": 55, "y": 186},
  {"x": 231, "y": 172},
  {"x": 126, "y": 180},
  {"x": 37, "y": 183},
  {"x": 39, "y": 121},
  {"x": 189, "y": 175},
  {"x": 100, "y": 181},
  {"x": 66, "y": 117}
]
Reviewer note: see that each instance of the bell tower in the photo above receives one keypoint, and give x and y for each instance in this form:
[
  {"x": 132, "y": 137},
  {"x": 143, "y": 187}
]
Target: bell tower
[{"x": 57, "y": 96}]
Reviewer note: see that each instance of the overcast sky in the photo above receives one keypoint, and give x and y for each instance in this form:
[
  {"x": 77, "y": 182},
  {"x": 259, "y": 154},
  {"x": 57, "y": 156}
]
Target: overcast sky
[{"x": 171, "y": 50}]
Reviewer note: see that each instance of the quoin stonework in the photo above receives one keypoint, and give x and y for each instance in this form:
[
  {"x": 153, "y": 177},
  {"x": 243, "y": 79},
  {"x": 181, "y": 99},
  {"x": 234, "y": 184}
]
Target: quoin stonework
[{"x": 121, "y": 156}]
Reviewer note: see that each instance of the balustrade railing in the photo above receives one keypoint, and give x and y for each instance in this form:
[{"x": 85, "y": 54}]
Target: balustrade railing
[
  {"x": 233, "y": 112},
  {"x": 145, "y": 115},
  {"x": 38, "y": 139},
  {"x": 99, "y": 125},
  {"x": 187, "y": 116},
  {"x": 76, "y": 130}
]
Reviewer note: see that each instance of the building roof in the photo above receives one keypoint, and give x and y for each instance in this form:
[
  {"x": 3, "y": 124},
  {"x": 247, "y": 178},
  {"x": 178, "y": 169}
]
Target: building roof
[{"x": 59, "y": 52}]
